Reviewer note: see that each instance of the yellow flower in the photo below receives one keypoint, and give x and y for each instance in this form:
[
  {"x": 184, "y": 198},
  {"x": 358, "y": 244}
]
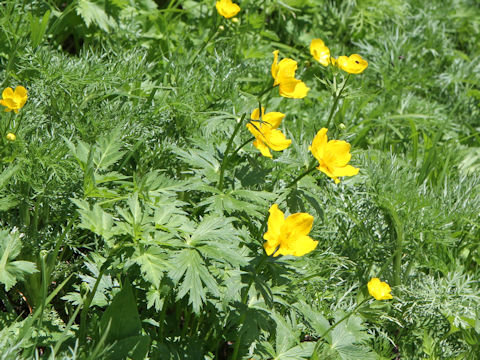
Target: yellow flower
[
  {"x": 288, "y": 236},
  {"x": 283, "y": 73},
  {"x": 14, "y": 100},
  {"x": 333, "y": 156},
  {"x": 11, "y": 137},
  {"x": 354, "y": 64},
  {"x": 267, "y": 136},
  {"x": 320, "y": 52},
  {"x": 227, "y": 8},
  {"x": 379, "y": 290}
]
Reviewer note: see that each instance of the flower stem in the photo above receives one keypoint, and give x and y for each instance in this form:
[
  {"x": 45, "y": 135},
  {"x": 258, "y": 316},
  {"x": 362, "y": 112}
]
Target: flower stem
[
  {"x": 335, "y": 102},
  {"x": 244, "y": 313},
  {"x": 305, "y": 173},
  {"x": 242, "y": 145},
  {"x": 86, "y": 306},
  {"x": 317, "y": 345},
  {"x": 227, "y": 150}
]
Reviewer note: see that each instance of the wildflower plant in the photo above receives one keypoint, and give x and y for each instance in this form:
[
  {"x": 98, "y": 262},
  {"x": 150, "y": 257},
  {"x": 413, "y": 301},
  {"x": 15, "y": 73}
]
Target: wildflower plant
[{"x": 174, "y": 204}]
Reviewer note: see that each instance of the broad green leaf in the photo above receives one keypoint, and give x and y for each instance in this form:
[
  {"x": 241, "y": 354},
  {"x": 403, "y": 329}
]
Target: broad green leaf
[
  {"x": 10, "y": 270},
  {"x": 153, "y": 264}
]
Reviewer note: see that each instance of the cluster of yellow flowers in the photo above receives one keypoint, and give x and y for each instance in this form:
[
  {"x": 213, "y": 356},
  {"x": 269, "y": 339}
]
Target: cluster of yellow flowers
[
  {"x": 13, "y": 100},
  {"x": 353, "y": 64},
  {"x": 289, "y": 236}
]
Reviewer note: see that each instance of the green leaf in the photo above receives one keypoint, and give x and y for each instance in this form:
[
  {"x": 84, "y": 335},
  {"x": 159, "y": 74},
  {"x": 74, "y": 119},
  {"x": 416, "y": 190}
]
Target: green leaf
[
  {"x": 11, "y": 271},
  {"x": 125, "y": 326},
  {"x": 95, "y": 219},
  {"x": 189, "y": 263},
  {"x": 153, "y": 263},
  {"x": 92, "y": 13}
]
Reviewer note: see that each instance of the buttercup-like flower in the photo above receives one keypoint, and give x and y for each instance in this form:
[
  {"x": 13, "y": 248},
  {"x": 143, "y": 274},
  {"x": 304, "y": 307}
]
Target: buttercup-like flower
[
  {"x": 283, "y": 73},
  {"x": 320, "y": 52},
  {"x": 267, "y": 136},
  {"x": 333, "y": 156},
  {"x": 354, "y": 64},
  {"x": 379, "y": 290},
  {"x": 227, "y": 8},
  {"x": 14, "y": 100},
  {"x": 288, "y": 236},
  {"x": 11, "y": 137}
]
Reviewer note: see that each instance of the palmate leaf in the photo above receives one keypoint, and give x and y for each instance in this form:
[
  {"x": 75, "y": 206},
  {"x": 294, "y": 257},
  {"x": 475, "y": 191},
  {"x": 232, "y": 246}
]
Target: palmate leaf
[
  {"x": 190, "y": 266},
  {"x": 92, "y": 13},
  {"x": 10, "y": 270},
  {"x": 153, "y": 264}
]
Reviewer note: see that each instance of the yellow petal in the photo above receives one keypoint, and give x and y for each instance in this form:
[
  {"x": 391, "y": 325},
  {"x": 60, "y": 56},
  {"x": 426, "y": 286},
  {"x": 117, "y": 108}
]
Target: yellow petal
[
  {"x": 294, "y": 89},
  {"x": 276, "y": 140},
  {"x": 297, "y": 224},
  {"x": 347, "y": 170},
  {"x": 227, "y": 8},
  {"x": 256, "y": 114},
  {"x": 20, "y": 92},
  {"x": 260, "y": 145},
  {"x": 273, "y": 118},
  {"x": 286, "y": 70},
  {"x": 319, "y": 143},
  {"x": 320, "y": 52},
  {"x": 354, "y": 64},
  {"x": 275, "y": 222},
  {"x": 275, "y": 66},
  {"x": 7, "y": 93},
  {"x": 297, "y": 246},
  {"x": 379, "y": 290},
  {"x": 337, "y": 153}
]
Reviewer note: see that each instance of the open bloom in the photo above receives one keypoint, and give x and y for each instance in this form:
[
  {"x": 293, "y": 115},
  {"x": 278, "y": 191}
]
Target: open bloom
[
  {"x": 14, "y": 100},
  {"x": 267, "y": 136},
  {"x": 288, "y": 236},
  {"x": 354, "y": 64},
  {"x": 283, "y": 73},
  {"x": 227, "y": 8},
  {"x": 379, "y": 290},
  {"x": 320, "y": 52},
  {"x": 11, "y": 137},
  {"x": 333, "y": 156}
]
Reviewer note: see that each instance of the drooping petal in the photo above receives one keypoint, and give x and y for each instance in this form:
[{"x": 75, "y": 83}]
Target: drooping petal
[
  {"x": 297, "y": 224},
  {"x": 347, "y": 170},
  {"x": 273, "y": 234},
  {"x": 276, "y": 140},
  {"x": 260, "y": 145},
  {"x": 294, "y": 89},
  {"x": 319, "y": 143}
]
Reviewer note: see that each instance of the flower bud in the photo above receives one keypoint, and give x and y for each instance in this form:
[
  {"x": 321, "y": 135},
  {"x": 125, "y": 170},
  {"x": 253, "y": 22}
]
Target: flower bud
[{"x": 11, "y": 137}]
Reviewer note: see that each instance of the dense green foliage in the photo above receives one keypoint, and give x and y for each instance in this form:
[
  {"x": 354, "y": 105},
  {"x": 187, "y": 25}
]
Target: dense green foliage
[{"x": 132, "y": 221}]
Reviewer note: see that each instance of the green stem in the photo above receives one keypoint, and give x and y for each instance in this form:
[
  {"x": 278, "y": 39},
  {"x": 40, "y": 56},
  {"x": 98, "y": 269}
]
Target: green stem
[
  {"x": 397, "y": 261},
  {"x": 244, "y": 313},
  {"x": 267, "y": 89},
  {"x": 212, "y": 35},
  {"x": 305, "y": 173},
  {"x": 227, "y": 150},
  {"x": 242, "y": 145},
  {"x": 335, "y": 102},
  {"x": 317, "y": 345},
  {"x": 86, "y": 306}
]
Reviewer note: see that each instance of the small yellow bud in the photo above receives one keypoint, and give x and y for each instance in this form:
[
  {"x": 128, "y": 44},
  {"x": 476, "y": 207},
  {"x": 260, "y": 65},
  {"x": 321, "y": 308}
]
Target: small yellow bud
[
  {"x": 11, "y": 137},
  {"x": 221, "y": 28},
  {"x": 235, "y": 20},
  {"x": 342, "y": 126}
]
